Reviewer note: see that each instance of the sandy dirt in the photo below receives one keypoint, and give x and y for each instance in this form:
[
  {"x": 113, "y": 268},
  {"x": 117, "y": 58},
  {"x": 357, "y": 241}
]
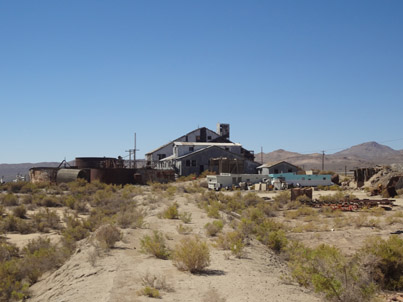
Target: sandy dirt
[{"x": 116, "y": 275}]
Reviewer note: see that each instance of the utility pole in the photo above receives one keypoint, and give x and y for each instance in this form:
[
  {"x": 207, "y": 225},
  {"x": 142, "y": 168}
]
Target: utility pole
[
  {"x": 134, "y": 151},
  {"x": 323, "y": 160}
]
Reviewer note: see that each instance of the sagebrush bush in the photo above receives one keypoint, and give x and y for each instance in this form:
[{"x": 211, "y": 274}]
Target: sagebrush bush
[
  {"x": 277, "y": 241},
  {"x": 184, "y": 229},
  {"x": 191, "y": 254},
  {"x": 233, "y": 241},
  {"x": 9, "y": 200},
  {"x": 212, "y": 228},
  {"x": 171, "y": 212},
  {"x": 40, "y": 255},
  {"x": 388, "y": 266},
  {"x": 330, "y": 272},
  {"x": 15, "y": 224},
  {"x": 20, "y": 211},
  {"x": 46, "y": 219},
  {"x": 155, "y": 245},
  {"x": 186, "y": 217},
  {"x": 131, "y": 218},
  {"x": 150, "y": 292},
  {"x": 107, "y": 235},
  {"x": 8, "y": 251}
]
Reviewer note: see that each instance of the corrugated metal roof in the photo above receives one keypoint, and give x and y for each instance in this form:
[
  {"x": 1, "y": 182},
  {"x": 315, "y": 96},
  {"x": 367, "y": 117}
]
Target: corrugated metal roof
[{"x": 171, "y": 142}]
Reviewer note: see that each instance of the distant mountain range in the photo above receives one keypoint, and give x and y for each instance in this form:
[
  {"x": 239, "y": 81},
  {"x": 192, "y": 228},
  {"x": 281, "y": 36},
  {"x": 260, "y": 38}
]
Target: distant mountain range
[{"x": 362, "y": 155}]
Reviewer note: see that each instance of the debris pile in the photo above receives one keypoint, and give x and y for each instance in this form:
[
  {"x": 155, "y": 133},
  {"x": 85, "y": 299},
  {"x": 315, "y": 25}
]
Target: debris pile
[
  {"x": 381, "y": 180},
  {"x": 351, "y": 205}
]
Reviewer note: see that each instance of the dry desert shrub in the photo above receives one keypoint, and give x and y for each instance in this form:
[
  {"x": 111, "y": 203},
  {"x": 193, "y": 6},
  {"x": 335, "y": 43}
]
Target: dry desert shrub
[
  {"x": 9, "y": 200},
  {"x": 15, "y": 224},
  {"x": 387, "y": 268},
  {"x": 186, "y": 217},
  {"x": 46, "y": 219},
  {"x": 233, "y": 241},
  {"x": 213, "y": 228},
  {"x": 20, "y": 211},
  {"x": 171, "y": 212},
  {"x": 191, "y": 254},
  {"x": 329, "y": 272},
  {"x": 184, "y": 229},
  {"x": 40, "y": 255},
  {"x": 107, "y": 235},
  {"x": 155, "y": 245},
  {"x": 131, "y": 218},
  {"x": 158, "y": 282},
  {"x": 150, "y": 292}
]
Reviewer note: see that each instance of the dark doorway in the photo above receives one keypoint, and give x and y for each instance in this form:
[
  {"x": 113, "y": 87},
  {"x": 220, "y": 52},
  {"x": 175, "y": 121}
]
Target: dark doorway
[{"x": 201, "y": 169}]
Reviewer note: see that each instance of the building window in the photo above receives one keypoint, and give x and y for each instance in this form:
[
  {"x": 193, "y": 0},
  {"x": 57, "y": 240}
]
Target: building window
[
  {"x": 188, "y": 163},
  {"x": 289, "y": 170},
  {"x": 193, "y": 163},
  {"x": 324, "y": 178},
  {"x": 275, "y": 171},
  {"x": 226, "y": 148},
  {"x": 191, "y": 149},
  {"x": 209, "y": 137},
  {"x": 198, "y": 138},
  {"x": 161, "y": 156}
]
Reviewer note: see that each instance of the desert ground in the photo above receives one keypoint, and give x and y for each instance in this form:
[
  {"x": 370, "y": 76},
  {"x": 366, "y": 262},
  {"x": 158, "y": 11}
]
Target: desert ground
[{"x": 258, "y": 273}]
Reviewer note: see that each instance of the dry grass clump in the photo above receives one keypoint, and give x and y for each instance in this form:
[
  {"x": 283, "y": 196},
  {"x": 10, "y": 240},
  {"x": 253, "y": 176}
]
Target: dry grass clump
[
  {"x": 185, "y": 217},
  {"x": 300, "y": 212},
  {"x": 131, "y": 218},
  {"x": 158, "y": 282},
  {"x": 20, "y": 211},
  {"x": 9, "y": 199},
  {"x": 387, "y": 266},
  {"x": 191, "y": 254},
  {"x": 150, "y": 292},
  {"x": 171, "y": 212},
  {"x": 329, "y": 272},
  {"x": 233, "y": 241},
  {"x": 213, "y": 228},
  {"x": 155, "y": 245},
  {"x": 184, "y": 229},
  {"x": 107, "y": 235},
  {"x": 46, "y": 219}
]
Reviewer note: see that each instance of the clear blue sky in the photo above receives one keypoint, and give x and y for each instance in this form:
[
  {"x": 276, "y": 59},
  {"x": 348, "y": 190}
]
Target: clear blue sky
[{"x": 78, "y": 78}]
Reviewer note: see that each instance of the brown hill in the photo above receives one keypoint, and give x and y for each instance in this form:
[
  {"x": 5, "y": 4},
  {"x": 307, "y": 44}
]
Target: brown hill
[
  {"x": 362, "y": 155},
  {"x": 371, "y": 151}
]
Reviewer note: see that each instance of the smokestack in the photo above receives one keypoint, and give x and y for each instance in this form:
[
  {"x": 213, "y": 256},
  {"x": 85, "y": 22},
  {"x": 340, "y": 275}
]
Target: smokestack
[{"x": 223, "y": 130}]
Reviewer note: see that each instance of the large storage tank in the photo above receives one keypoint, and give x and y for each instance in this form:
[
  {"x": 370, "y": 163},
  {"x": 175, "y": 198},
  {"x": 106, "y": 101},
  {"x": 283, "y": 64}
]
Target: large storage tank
[
  {"x": 117, "y": 176},
  {"x": 69, "y": 175},
  {"x": 95, "y": 162},
  {"x": 43, "y": 174}
]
